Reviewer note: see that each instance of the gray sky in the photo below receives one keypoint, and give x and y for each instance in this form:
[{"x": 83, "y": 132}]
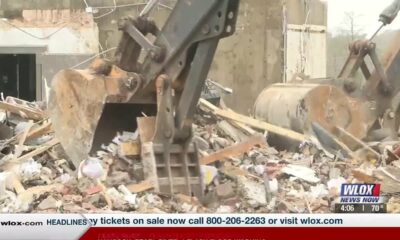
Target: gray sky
[{"x": 367, "y": 12}]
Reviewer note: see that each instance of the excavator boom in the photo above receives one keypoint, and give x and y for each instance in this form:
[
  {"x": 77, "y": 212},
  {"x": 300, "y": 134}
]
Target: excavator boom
[{"x": 156, "y": 96}]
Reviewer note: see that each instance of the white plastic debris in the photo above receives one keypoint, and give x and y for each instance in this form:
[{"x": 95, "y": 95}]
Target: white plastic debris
[
  {"x": 3, "y": 117},
  {"x": 304, "y": 173},
  {"x": 7, "y": 202},
  {"x": 336, "y": 183},
  {"x": 30, "y": 170},
  {"x": 259, "y": 169},
  {"x": 91, "y": 168},
  {"x": 297, "y": 156},
  {"x": 154, "y": 200},
  {"x": 209, "y": 173},
  {"x": 273, "y": 185},
  {"x": 294, "y": 193},
  {"x": 3, "y": 183},
  {"x": 128, "y": 196},
  {"x": 121, "y": 199},
  {"x": 64, "y": 178},
  {"x": 188, "y": 208},
  {"x": 319, "y": 191},
  {"x": 129, "y": 136}
]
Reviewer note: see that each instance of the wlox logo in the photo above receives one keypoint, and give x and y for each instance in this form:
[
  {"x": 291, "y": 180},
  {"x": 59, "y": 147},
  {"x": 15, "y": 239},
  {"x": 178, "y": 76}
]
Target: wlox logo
[{"x": 360, "y": 193}]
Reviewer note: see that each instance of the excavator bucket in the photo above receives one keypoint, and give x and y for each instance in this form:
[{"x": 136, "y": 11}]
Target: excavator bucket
[
  {"x": 76, "y": 102},
  {"x": 86, "y": 113}
]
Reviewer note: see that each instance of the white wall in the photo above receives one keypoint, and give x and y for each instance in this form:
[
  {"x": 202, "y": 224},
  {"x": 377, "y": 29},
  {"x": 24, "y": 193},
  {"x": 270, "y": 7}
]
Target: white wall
[
  {"x": 66, "y": 41},
  {"x": 61, "y": 39},
  {"x": 62, "y": 31},
  {"x": 306, "y": 51}
]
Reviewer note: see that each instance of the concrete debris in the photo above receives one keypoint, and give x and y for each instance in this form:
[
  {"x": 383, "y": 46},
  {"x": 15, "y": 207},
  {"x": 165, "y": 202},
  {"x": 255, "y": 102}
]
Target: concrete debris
[
  {"x": 335, "y": 184},
  {"x": 252, "y": 191},
  {"x": 30, "y": 170},
  {"x": 393, "y": 205},
  {"x": 49, "y": 203},
  {"x": 319, "y": 191},
  {"x": 122, "y": 200},
  {"x": 128, "y": 196},
  {"x": 301, "y": 172},
  {"x": 225, "y": 191},
  {"x": 334, "y": 173},
  {"x": 242, "y": 171}
]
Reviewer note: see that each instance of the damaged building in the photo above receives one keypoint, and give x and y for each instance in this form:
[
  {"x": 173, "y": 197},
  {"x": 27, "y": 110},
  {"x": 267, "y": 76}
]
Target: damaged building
[
  {"x": 188, "y": 106},
  {"x": 39, "y": 38}
]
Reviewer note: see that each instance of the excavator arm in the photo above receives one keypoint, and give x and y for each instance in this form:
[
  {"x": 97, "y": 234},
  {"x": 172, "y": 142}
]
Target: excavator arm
[{"x": 153, "y": 88}]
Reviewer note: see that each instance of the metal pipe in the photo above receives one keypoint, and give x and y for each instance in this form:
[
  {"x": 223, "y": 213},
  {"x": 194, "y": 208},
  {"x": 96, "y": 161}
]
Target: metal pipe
[
  {"x": 147, "y": 9},
  {"x": 377, "y": 31}
]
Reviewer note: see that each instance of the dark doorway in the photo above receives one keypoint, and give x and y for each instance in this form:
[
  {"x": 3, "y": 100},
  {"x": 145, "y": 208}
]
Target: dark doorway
[{"x": 18, "y": 76}]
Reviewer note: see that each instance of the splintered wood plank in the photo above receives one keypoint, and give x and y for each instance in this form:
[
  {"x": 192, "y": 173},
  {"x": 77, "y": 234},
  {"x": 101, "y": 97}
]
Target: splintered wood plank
[
  {"x": 140, "y": 187},
  {"x": 39, "y": 131},
  {"x": 131, "y": 148},
  {"x": 253, "y": 122},
  {"x": 39, "y": 150},
  {"x": 234, "y": 172},
  {"x": 146, "y": 127},
  {"x": 234, "y": 150},
  {"x": 19, "y": 147},
  {"x": 358, "y": 142},
  {"x": 243, "y": 127},
  {"x": 229, "y": 130},
  {"x": 363, "y": 177},
  {"x": 22, "y": 111}
]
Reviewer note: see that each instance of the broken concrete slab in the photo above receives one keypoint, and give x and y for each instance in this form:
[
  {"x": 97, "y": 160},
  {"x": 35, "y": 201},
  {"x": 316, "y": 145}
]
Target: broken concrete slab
[
  {"x": 26, "y": 199},
  {"x": 253, "y": 192},
  {"x": 225, "y": 190},
  {"x": 49, "y": 203},
  {"x": 304, "y": 173},
  {"x": 393, "y": 205}
]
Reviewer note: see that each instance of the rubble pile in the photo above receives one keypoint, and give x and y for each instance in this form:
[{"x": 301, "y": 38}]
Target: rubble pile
[{"x": 242, "y": 173}]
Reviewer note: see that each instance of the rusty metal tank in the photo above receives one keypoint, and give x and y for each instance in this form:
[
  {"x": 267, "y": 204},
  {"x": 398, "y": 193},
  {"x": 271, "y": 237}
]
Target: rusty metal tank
[{"x": 295, "y": 106}]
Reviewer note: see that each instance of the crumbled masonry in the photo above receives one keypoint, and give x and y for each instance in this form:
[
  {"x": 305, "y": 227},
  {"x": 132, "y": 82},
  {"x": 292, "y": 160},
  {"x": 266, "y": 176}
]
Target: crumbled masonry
[{"x": 242, "y": 173}]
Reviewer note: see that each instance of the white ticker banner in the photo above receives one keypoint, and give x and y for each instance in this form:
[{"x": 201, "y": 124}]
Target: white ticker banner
[{"x": 59, "y": 226}]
